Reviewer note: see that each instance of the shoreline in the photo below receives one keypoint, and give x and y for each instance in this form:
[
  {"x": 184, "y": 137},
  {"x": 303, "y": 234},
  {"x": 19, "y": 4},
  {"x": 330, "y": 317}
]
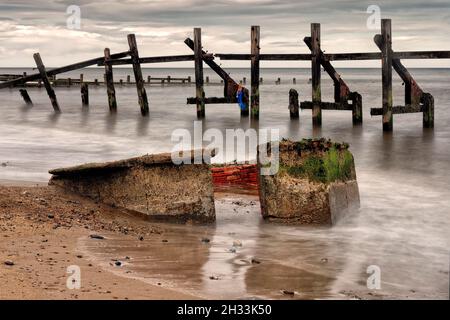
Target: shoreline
[{"x": 40, "y": 237}]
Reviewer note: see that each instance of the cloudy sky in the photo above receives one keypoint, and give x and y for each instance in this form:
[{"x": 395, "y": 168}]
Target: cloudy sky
[{"x": 162, "y": 25}]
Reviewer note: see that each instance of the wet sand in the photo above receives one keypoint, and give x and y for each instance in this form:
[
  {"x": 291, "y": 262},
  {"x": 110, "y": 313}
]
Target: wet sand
[{"x": 40, "y": 228}]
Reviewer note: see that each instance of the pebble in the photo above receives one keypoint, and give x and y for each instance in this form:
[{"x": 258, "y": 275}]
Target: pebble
[
  {"x": 9, "y": 263},
  {"x": 288, "y": 292},
  {"x": 254, "y": 261},
  {"x": 237, "y": 243},
  {"x": 205, "y": 240},
  {"x": 96, "y": 236},
  {"x": 214, "y": 278},
  {"x": 50, "y": 216},
  {"x": 118, "y": 263}
]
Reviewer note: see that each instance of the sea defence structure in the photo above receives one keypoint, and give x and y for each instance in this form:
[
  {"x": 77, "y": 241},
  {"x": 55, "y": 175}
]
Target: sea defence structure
[
  {"x": 151, "y": 185},
  {"x": 315, "y": 184},
  {"x": 416, "y": 100}
]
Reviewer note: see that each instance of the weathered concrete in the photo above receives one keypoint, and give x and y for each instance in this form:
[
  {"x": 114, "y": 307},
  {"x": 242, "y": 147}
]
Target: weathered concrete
[
  {"x": 316, "y": 184},
  {"x": 150, "y": 184}
]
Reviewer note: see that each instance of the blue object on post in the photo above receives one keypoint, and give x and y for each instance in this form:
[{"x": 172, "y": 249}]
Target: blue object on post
[{"x": 240, "y": 98}]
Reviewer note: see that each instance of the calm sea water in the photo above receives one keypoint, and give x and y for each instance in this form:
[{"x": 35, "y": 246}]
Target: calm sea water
[{"x": 403, "y": 225}]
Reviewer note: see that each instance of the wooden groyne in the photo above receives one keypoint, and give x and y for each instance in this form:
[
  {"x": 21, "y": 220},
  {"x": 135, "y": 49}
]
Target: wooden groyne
[{"x": 416, "y": 100}]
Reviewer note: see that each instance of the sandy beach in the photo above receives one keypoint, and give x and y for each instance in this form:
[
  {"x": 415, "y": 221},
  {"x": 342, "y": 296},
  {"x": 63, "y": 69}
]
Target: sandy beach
[{"x": 40, "y": 227}]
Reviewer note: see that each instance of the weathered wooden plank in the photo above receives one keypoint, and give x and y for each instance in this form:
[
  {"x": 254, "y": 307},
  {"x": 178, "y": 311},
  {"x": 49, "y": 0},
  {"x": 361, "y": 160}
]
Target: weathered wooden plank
[
  {"x": 386, "y": 66},
  {"x": 212, "y": 100},
  {"x": 199, "y": 92},
  {"x": 327, "y": 106},
  {"x": 413, "y": 92},
  {"x": 341, "y": 89},
  {"x": 338, "y": 56},
  {"x": 254, "y": 91},
  {"x": 84, "y": 94},
  {"x": 315, "y": 75},
  {"x": 210, "y": 63},
  {"x": 157, "y": 59},
  {"x": 52, "y": 72},
  {"x": 357, "y": 111},
  {"x": 293, "y": 104},
  {"x": 26, "y": 97},
  {"x": 142, "y": 94},
  {"x": 230, "y": 86},
  {"x": 48, "y": 87},
  {"x": 112, "y": 102},
  {"x": 398, "y": 110},
  {"x": 428, "y": 110}
]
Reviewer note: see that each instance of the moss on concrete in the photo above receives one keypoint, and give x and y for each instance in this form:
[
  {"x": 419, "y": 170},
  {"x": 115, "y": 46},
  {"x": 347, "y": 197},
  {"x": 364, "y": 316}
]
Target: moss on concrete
[{"x": 328, "y": 163}]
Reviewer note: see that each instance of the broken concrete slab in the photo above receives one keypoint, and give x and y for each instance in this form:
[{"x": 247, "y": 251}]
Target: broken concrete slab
[
  {"x": 315, "y": 184},
  {"x": 152, "y": 185}
]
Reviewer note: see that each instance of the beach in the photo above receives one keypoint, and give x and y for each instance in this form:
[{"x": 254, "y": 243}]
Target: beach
[
  {"x": 402, "y": 225},
  {"x": 40, "y": 229}
]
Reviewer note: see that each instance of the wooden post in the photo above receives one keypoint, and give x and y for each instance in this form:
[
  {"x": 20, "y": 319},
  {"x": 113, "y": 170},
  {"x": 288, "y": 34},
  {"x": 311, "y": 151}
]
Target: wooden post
[
  {"x": 81, "y": 78},
  {"x": 84, "y": 94},
  {"x": 128, "y": 79},
  {"x": 69, "y": 82},
  {"x": 293, "y": 104},
  {"x": 386, "y": 66},
  {"x": 110, "y": 83},
  {"x": 142, "y": 94},
  {"x": 48, "y": 87},
  {"x": 428, "y": 110},
  {"x": 199, "y": 92},
  {"x": 294, "y": 81},
  {"x": 315, "y": 75},
  {"x": 96, "y": 82},
  {"x": 148, "y": 79},
  {"x": 254, "y": 91},
  {"x": 26, "y": 97},
  {"x": 121, "y": 82},
  {"x": 207, "y": 79},
  {"x": 356, "y": 108},
  {"x": 261, "y": 80},
  {"x": 168, "y": 79}
]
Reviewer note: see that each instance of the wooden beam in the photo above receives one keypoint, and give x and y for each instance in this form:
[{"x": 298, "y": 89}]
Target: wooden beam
[
  {"x": 159, "y": 59},
  {"x": 26, "y": 97},
  {"x": 315, "y": 75},
  {"x": 110, "y": 83},
  {"x": 386, "y": 65},
  {"x": 48, "y": 87},
  {"x": 199, "y": 92},
  {"x": 413, "y": 92},
  {"x": 357, "y": 111},
  {"x": 211, "y": 100},
  {"x": 142, "y": 94},
  {"x": 338, "y": 56},
  {"x": 397, "y": 110},
  {"x": 52, "y": 72},
  {"x": 254, "y": 91},
  {"x": 326, "y": 106},
  {"x": 341, "y": 88}
]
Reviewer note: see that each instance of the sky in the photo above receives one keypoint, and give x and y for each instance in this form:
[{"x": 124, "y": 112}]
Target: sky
[{"x": 161, "y": 26}]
